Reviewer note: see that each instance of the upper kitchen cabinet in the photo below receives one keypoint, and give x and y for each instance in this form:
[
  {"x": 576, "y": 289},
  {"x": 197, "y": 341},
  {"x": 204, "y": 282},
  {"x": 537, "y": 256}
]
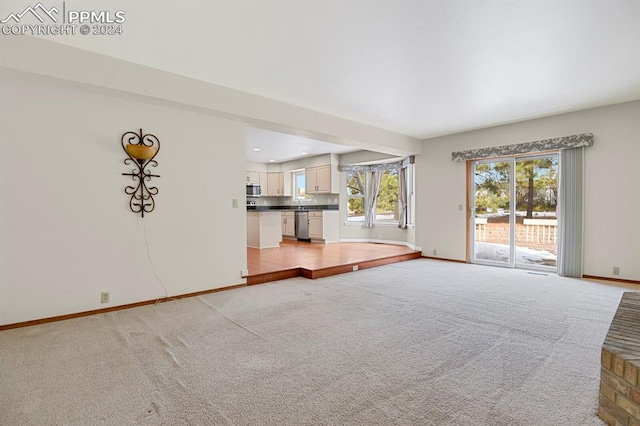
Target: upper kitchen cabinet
[
  {"x": 318, "y": 180},
  {"x": 278, "y": 184},
  {"x": 253, "y": 177}
]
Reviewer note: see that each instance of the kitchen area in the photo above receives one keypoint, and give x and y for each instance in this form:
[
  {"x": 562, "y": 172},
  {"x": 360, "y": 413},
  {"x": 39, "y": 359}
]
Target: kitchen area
[
  {"x": 296, "y": 223},
  {"x": 293, "y": 204},
  {"x": 292, "y": 189}
]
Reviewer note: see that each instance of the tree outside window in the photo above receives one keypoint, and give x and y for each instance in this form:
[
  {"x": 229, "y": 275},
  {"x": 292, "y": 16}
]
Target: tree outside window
[
  {"x": 536, "y": 187},
  {"x": 387, "y": 203},
  {"x": 355, "y": 196}
]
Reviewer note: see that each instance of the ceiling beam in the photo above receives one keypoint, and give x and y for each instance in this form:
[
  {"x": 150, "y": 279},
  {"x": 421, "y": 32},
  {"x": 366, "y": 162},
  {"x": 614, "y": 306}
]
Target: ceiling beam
[{"x": 92, "y": 71}]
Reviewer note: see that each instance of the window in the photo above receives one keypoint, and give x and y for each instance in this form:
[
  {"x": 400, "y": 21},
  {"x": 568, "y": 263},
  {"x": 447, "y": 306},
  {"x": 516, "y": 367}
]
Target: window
[
  {"x": 355, "y": 196},
  {"x": 299, "y": 186},
  {"x": 387, "y": 202},
  {"x": 387, "y": 205}
]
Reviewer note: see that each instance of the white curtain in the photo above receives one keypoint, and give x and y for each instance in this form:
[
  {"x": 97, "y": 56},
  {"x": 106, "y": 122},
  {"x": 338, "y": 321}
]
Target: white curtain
[
  {"x": 402, "y": 197},
  {"x": 370, "y": 200},
  {"x": 570, "y": 218}
]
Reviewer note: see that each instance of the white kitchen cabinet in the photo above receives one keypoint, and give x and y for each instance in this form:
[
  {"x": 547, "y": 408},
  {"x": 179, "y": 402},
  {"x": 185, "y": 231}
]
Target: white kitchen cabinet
[
  {"x": 287, "y": 187},
  {"x": 318, "y": 180},
  {"x": 315, "y": 225},
  {"x": 263, "y": 229},
  {"x": 323, "y": 179},
  {"x": 275, "y": 184},
  {"x": 278, "y": 185},
  {"x": 324, "y": 226},
  {"x": 288, "y": 224},
  {"x": 253, "y": 177}
]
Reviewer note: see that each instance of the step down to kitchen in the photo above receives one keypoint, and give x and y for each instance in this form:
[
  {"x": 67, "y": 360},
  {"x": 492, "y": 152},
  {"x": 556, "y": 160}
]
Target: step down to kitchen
[{"x": 328, "y": 271}]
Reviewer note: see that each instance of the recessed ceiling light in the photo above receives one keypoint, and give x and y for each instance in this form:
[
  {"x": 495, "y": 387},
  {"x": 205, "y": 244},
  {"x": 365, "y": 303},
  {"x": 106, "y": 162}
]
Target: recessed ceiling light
[
  {"x": 304, "y": 153},
  {"x": 256, "y": 149},
  {"x": 272, "y": 161}
]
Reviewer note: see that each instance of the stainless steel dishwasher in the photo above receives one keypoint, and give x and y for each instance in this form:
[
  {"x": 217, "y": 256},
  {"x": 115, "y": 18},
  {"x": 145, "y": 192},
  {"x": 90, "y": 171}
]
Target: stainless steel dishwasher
[{"x": 302, "y": 225}]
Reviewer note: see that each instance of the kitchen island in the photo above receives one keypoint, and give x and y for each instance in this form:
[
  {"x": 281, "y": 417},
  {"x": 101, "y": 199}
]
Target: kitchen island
[{"x": 264, "y": 229}]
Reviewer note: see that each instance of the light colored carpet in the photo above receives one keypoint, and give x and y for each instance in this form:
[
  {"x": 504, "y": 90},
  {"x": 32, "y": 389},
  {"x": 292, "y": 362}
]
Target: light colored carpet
[{"x": 419, "y": 342}]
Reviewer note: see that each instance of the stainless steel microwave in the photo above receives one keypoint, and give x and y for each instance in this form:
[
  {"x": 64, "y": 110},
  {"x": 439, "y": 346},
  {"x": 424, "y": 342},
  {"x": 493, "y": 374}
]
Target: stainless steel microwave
[{"x": 253, "y": 190}]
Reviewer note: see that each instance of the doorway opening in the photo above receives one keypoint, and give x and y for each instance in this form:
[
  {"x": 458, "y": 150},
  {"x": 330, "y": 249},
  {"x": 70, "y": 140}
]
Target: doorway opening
[{"x": 514, "y": 215}]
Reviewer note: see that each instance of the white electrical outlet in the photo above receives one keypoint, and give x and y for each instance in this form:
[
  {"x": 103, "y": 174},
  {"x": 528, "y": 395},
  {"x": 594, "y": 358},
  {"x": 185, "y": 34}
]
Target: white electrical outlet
[
  {"x": 616, "y": 270},
  {"x": 234, "y": 203},
  {"x": 355, "y": 268},
  {"x": 435, "y": 252},
  {"x": 104, "y": 297}
]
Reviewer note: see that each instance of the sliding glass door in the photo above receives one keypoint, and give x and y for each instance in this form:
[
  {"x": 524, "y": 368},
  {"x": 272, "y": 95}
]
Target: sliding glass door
[
  {"x": 492, "y": 212},
  {"x": 536, "y": 216},
  {"x": 514, "y": 206}
]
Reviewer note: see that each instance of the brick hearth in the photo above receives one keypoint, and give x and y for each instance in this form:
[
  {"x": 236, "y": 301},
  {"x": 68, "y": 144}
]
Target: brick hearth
[{"x": 619, "y": 380}]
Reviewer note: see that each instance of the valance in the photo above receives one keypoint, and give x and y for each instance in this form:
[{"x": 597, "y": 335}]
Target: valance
[
  {"x": 573, "y": 141},
  {"x": 397, "y": 165}
]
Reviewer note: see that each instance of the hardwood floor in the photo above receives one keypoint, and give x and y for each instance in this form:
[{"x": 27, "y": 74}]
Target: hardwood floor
[{"x": 311, "y": 260}]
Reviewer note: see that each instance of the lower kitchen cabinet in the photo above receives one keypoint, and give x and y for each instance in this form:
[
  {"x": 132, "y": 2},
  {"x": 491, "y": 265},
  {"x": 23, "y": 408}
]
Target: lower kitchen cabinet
[
  {"x": 324, "y": 226},
  {"x": 288, "y": 224},
  {"x": 315, "y": 225}
]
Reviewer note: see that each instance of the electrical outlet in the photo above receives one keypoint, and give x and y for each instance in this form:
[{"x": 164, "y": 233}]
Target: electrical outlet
[
  {"x": 104, "y": 297},
  {"x": 435, "y": 252},
  {"x": 234, "y": 203},
  {"x": 355, "y": 268},
  {"x": 460, "y": 207},
  {"x": 616, "y": 270}
]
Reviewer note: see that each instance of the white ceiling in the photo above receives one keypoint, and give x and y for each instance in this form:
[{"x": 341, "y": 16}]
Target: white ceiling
[
  {"x": 420, "y": 68},
  {"x": 280, "y": 147}
]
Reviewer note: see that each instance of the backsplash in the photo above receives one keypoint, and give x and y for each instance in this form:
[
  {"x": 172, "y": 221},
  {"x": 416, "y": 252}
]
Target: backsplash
[{"x": 323, "y": 199}]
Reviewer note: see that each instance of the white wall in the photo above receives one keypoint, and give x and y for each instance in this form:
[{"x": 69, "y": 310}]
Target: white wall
[
  {"x": 67, "y": 231},
  {"x": 612, "y": 185},
  {"x": 256, "y": 167}
]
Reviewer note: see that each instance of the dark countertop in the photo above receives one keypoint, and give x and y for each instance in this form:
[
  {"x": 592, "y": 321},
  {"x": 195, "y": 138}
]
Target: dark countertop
[{"x": 294, "y": 208}]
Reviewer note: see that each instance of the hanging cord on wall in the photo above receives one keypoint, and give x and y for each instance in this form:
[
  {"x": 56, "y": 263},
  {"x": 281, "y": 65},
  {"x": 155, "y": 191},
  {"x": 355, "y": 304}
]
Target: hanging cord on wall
[{"x": 153, "y": 268}]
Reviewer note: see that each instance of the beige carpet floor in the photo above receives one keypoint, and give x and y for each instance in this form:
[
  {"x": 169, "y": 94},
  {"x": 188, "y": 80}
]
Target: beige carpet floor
[{"x": 420, "y": 342}]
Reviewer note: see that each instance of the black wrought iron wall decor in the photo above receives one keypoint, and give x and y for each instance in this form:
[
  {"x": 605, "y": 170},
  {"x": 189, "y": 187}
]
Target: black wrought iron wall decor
[{"x": 141, "y": 149}]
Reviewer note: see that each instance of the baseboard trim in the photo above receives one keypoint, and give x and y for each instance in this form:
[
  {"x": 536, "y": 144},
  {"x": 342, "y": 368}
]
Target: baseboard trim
[
  {"x": 114, "y": 308},
  {"x": 291, "y": 273},
  {"x": 444, "y": 259},
  {"x": 592, "y": 277},
  {"x": 617, "y": 280}
]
